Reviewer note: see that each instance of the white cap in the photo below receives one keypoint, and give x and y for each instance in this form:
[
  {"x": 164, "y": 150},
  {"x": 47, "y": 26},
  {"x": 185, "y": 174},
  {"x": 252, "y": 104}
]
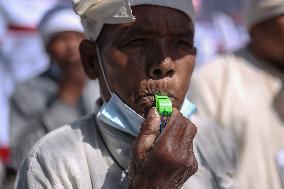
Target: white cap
[
  {"x": 257, "y": 11},
  {"x": 96, "y": 13},
  {"x": 59, "y": 19}
]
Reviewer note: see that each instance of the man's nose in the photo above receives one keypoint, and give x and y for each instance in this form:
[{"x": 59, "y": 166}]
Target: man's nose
[
  {"x": 165, "y": 69},
  {"x": 73, "y": 45}
]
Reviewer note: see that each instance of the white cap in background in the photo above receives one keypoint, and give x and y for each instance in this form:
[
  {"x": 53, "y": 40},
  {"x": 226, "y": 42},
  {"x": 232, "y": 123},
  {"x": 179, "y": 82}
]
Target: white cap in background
[
  {"x": 59, "y": 19},
  {"x": 257, "y": 11}
]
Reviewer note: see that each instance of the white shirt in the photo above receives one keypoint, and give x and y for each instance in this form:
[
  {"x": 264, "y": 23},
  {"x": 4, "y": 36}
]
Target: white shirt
[
  {"x": 86, "y": 155},
  {"x": 245, "y": 96}
]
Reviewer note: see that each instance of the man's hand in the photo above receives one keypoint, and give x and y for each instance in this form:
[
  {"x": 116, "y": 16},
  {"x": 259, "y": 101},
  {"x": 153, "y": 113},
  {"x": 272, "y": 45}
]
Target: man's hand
[{"x": 163, "y": 161}]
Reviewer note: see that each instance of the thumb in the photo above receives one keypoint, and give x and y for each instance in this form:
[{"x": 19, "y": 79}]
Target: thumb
[{"x": 149, "y": 131}]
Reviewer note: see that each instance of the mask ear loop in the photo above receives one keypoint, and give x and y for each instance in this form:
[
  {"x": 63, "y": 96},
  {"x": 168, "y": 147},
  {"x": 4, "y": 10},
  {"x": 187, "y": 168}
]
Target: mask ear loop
[
  {"x": 109, "y": 90},
  {"x": 103, "y": 71}
]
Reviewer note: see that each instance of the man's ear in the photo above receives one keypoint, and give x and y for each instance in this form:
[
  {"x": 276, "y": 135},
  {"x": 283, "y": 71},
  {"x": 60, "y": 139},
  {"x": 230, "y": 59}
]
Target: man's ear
[{"x": 89, "y": 57}]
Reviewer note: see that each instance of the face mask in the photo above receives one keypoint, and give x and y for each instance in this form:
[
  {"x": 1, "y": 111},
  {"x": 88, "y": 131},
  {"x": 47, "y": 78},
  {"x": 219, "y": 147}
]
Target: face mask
[{"x": 117, "y": 114}]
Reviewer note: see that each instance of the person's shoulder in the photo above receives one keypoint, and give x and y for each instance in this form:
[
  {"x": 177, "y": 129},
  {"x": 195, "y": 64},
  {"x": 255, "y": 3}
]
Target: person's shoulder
[
  {"x": 34, "y": 88},
  {"x": 231, "y": 69},
  {"x": 223, "y": 63},
  {"x": 221, "y": 72},
  {"x": 62, "y": 143},
  {"x": 58, "y": 159},
  {"x": 33, "y": 94},
  {"x": 34, "y": 84}
]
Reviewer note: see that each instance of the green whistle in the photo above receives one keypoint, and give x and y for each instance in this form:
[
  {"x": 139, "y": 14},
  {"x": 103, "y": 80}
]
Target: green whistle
[{"x": 164, "y": 105}]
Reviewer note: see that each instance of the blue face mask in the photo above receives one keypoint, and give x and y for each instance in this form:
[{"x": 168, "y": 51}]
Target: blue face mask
[{"x": 117, "y": 114}]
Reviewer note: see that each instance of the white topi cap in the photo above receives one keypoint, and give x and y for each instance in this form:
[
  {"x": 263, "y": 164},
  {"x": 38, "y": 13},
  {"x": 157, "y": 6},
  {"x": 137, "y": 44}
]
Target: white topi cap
[
  {"x": 96, "y": 13},
  {"x": 257, "y": 11},
  {"x": 59, "y": 19}
]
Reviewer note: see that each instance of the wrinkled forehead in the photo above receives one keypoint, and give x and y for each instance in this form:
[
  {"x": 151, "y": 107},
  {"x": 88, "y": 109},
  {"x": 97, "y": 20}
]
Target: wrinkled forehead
[
  {"x": 159, "y": 17},
  {"x": 154, "y": 20}
]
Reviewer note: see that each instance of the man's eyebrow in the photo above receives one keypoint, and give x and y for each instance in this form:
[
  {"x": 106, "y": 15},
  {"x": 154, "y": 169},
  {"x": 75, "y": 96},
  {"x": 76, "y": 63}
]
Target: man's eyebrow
[
  {"x": 125, "y": 31},
  {"x": 134, "y": 30}
]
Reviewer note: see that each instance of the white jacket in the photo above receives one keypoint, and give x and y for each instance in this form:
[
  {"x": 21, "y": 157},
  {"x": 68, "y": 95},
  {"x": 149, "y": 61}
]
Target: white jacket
[
  {"x": 245, "y": 96},
  {"x": 88, "y": 155}
]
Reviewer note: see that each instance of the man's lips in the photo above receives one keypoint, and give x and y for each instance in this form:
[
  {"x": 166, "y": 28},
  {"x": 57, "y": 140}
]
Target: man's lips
[
  {"x": 144, "y": 102},
  {"x": 148, "y": 99}
]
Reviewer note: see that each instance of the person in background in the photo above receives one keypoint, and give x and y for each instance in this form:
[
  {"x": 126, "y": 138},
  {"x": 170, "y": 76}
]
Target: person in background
[
  {"x": 136, "y": 49},
  {"x": 243, "y": 92},
  {"x": 2, "y": 174},
  {"x": 21, "y": 54},
  {"x": 60, "y": 95}
]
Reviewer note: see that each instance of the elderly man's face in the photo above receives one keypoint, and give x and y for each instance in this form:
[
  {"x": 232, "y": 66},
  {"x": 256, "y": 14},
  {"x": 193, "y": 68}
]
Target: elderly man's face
[
  {"x": 64, "y": 47},
  {"x": 154, "y": 54}
]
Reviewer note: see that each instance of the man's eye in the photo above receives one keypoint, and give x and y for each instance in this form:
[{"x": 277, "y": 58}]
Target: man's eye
[
  {"x": 184, "y": 44},
  {"x": 136, "y": 42}
]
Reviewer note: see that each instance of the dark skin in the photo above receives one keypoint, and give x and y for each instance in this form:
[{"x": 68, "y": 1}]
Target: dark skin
[
  {"x": 64, "y": 49},
  {"x": 153, "y": 54},
  {"x": 267, "y": 41}
]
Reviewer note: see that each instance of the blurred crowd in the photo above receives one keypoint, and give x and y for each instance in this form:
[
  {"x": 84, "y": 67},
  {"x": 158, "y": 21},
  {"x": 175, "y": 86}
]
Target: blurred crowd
[
  {"x": 219, "y": 28},
  {"x": 39, "y": 59},
  {"x": 23, "y": 56},
  {"x": 237, "y": 82}
]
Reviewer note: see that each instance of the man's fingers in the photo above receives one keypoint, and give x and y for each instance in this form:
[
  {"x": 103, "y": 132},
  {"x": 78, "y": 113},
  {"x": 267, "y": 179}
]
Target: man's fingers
[
  {"x": 149, "y": 131},
  {"x": 173, "y": 128},
  {"x": 179, "y": 127},
  {"x": 177, "y": 136}
]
